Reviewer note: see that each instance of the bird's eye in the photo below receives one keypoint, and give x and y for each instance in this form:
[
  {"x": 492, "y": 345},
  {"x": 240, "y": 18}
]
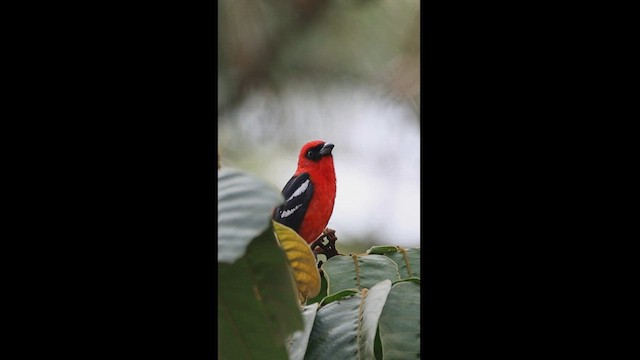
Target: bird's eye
[{"x": 309, "y": 153}]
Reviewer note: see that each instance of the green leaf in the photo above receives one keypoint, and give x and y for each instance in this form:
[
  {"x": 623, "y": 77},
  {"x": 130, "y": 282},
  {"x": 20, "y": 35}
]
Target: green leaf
[
  {"x": 339, "y": 296},
  {"x": 345, "y": 329},
  {"x": 257, "y": 302},
  {"x": 376, "y": 298},
  {"x": 382, "y": 249},
  {"x": 410, "y": 279},
  {"x": 245, "y": 206},
  {"x": 408, "y": 261},
  {"x": 355, "y": 271},
  {"x": 300, "y": 339},
  {"x": 400, "y": 322}
]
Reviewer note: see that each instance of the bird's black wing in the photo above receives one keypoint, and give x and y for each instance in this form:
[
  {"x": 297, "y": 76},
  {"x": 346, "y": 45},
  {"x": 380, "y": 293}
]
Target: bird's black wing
[{"x": 297, "y": 193}]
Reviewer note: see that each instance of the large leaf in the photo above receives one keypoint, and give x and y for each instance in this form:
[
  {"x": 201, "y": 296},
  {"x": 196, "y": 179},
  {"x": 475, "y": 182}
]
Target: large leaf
[
  {"x": 408, "y": 260},
  {"x": 400, "y": 322},
  {"x": 257, "y": 306},
  {"x": 302, "y": 261},
  {"x": 355, "y": 271},
  {"x": 345, "y": 329},
  {"x": 382, "y": 249},
  {"x": 245, "y": 206},
  {"x": 300, "y": 339},
  {"x": 339, "y": 296}
]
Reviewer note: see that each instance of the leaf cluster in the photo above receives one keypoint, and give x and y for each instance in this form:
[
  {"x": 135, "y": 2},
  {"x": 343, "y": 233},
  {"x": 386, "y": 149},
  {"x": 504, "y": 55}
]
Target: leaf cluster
[
  {"x": 370, "y": 310},
  {"x": 365, "y": 306}
]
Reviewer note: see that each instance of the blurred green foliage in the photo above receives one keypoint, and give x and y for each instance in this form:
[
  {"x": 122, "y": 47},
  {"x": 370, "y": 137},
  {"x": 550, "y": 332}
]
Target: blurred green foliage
[{"x": 266, "y": 44}]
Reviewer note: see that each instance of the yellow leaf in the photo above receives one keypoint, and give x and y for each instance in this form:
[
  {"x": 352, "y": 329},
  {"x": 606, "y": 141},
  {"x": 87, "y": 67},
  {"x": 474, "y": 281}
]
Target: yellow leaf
[{"x": 303, "y": 263}]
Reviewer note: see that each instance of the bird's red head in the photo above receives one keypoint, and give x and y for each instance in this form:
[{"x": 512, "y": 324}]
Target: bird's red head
[{"x": 316, "y": 156}]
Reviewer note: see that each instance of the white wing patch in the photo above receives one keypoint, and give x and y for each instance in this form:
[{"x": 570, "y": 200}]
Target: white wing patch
[
  {"x": 303, "y": 187},
  {"x": 286, "y": 213}
]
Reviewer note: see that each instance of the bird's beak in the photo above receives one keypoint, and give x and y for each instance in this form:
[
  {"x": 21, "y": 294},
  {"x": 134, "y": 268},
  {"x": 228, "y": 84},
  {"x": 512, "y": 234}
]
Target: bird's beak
[{"x": 326, "y": 149}]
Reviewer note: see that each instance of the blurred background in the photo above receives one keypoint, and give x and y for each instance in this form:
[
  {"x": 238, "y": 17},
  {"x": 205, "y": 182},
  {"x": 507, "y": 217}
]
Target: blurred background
[{"x": 346, "y": 72}]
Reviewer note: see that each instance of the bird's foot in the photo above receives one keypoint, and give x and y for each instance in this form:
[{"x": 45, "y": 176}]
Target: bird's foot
[{"x": 325, "y": 246}]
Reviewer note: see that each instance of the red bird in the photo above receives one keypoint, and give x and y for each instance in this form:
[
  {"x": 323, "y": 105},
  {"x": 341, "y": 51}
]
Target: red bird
[{"x": 310, "y": 193}]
